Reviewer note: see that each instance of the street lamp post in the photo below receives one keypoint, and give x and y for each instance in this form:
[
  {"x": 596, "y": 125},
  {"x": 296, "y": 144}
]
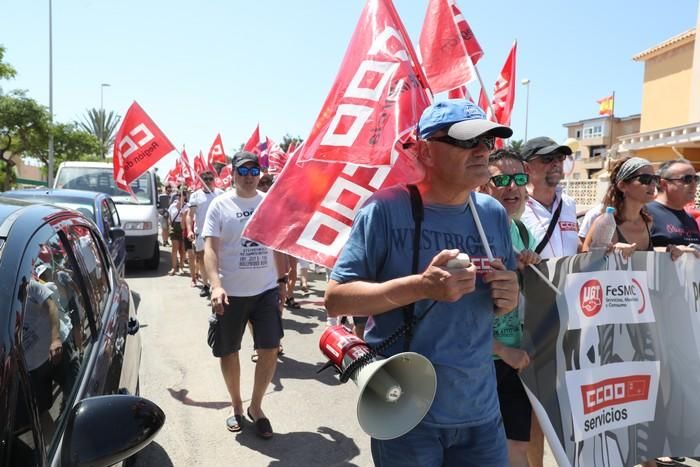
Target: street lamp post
[
  {"x": 51, "y": 155},
  {"x": 526, "y": 83},
  {"x": 102, "y": 120}
]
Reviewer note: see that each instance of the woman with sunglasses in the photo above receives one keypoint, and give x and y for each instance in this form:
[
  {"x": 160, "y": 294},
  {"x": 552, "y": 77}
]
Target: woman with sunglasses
[
  {"x": 632, "y": 185},
  {"x": 508, "y": 185}
]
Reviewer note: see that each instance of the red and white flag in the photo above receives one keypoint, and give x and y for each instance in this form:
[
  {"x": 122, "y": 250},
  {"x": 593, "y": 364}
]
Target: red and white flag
[
  {"x": 138, "y": 145},
  {"x": 199, "y": 166},
  {"x": 445, "y": 58},
  {"x": 460, "y": 93},
  {"x": 313, "y": 203},
  {"x": 216, "y": 152},
  {"x": 186, "y": 169},
  {"x": 504, "y": 90},
  {"x": 276, "y": 158},
  {"x": 225, "y": 177},
  {"x": 470, "y": 43},
  {"x": 484, "y": 104},
  {"x": 377, "y": 98},
  {"x": 254, "y": 141}
]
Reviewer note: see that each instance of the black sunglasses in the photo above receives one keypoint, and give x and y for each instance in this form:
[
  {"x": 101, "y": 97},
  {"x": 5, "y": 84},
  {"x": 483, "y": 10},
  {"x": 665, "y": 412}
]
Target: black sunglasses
[
  {"x": 686, "y": 179},
  {"x": 243, "y": 171},
  {"x": 501, "y": 181},
  {"x": 208, "y": 179},
  {"x": 646, "y": 179},
  {"x": 489, "y": 141},
  {"x": 549, "y": 158}
]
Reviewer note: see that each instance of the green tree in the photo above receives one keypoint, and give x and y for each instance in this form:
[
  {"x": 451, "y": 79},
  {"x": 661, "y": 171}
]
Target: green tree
[
  {"x": 287, "y": 141},
  {"x": 515, "y": 144},
  {"x": 70, "y": 144},
  {"x": 23, "y": 123},
  {"x": 6, "y": 70},
  {"x": 103, "y": 126}
]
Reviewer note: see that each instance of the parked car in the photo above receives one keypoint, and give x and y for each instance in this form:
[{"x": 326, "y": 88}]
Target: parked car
[
  {"x": 70, "y": 346},
  {"x": 98, "y": 207},
  {"x": 138, "y": 210}
]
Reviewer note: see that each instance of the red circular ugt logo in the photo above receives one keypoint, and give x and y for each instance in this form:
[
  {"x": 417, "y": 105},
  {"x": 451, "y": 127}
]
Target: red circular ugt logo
[{"x": 591, "y": 297}]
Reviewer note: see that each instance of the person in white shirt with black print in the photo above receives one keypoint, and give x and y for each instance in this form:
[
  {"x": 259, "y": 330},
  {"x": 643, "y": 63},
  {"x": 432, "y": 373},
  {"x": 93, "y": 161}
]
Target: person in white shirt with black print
[{"x": 546, "y": 203}]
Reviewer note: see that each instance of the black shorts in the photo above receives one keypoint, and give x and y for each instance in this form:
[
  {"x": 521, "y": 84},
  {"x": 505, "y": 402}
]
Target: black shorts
[
  {"x": 261, "y": 310},
  {"x": 515, "y": 406}
]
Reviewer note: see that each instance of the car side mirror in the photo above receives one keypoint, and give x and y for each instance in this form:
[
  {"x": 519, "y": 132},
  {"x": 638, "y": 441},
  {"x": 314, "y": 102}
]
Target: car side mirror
[
  {"x": 104, "y": 430},
  {"x": 116, "y": 233},
  {"x": 163, "y": 201}
]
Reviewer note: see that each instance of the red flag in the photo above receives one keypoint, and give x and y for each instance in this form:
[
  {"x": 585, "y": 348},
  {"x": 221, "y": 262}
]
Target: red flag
[
  {"x": 216, "y": 152},
  {"x": 445, "y": 58},
  {"x": 253, "y": 141},
  {"x": 226, "y": 176},
  {"x": 138, "y": 145},
  {"x": 484, "y": 104},
  {"x": 314, "y": 203},
  {"x": 472, "y": 45},
  {"x": 199, "y": 166},
  {"x": 504, "y": 91},
  {"x": 277, "y": 158},
  {"x": 185, "y": 170},
  {"x": 377, "y": 97},
  {"x": 460, "y": 93}
]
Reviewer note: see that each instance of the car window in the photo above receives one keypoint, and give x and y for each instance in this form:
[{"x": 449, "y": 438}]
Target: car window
[
  {"x": 56, "y": 334},
  {"x": 107, "y": 218},
  {"x": 91, "y": 256},
  {"x": 114, "y": 213}
]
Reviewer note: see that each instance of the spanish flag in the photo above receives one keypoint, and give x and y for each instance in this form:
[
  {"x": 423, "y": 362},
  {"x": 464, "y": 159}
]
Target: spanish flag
[{"x": 606, "y": 105}]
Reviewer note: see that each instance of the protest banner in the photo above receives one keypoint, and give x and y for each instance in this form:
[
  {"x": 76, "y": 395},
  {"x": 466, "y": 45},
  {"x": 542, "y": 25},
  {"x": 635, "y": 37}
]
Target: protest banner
[{"x": 616, "y": 362}]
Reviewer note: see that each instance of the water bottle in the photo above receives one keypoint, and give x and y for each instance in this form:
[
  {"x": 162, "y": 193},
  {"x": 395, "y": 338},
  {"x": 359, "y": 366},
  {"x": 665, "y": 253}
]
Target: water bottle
[{"x": 604, "y": 231}]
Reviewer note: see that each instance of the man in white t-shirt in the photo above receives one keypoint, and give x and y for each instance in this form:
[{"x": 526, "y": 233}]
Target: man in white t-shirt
[
  {"x": 546, "y": 204},
  {"x": 199, "y": 204},
  {"x": 545, "y": 161},
  {"x": 247, "y": 284}
]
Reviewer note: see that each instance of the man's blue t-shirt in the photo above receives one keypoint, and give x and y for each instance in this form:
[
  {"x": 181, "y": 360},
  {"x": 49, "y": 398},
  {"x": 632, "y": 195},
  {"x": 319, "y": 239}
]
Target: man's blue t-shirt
[{"x": 456, "y": 337}]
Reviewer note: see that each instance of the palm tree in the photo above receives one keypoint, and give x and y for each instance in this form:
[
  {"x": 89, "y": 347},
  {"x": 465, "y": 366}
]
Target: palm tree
[
  {"x": 103, "y": 125},
  {"x": 515, "y": 144}
]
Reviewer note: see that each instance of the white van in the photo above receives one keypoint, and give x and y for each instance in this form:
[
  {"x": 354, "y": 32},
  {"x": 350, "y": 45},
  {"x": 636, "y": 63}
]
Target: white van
[{"x": 139, "y": 217}]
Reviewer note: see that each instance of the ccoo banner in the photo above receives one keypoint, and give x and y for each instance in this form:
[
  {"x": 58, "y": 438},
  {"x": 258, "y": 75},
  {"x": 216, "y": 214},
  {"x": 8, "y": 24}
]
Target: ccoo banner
[{"x": 621, "y": 347}]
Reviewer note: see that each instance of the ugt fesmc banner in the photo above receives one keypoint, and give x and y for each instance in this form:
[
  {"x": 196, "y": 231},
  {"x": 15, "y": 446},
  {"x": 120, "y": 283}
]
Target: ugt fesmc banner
[{"x": 616, "y": 364}]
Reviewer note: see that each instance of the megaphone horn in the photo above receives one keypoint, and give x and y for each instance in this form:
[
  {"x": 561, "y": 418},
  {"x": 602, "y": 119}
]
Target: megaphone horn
[{"x": 395, "y": 393}]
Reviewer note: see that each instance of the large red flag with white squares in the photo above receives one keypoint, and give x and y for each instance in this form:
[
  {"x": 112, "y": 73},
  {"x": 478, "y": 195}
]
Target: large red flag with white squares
[
  {"x": 376, "y": 101},
  {"x": 377, "y": 98},
  {"x": 465, "y": 31},
  {"x": 504, "y": 90},
  {"x": 138, "y": 145}
]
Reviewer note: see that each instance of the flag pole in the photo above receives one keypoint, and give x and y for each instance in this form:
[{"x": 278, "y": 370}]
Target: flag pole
[
  {"x": 488, "y": 100},
  {"x": 612, "y": 117}
]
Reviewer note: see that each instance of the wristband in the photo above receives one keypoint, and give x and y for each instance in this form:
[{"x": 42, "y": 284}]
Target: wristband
[{"x": 282, "y": 279}]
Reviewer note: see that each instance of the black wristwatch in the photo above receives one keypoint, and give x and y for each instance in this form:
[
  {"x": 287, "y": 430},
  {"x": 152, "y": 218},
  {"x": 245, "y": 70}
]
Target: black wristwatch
[{"x": 282, "y": 279}]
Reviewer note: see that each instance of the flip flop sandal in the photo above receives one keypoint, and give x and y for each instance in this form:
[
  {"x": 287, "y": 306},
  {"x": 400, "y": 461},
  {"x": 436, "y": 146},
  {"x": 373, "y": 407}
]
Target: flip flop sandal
[
  {"x": 263, "y": 428},
  {"x": 291, "y": 303},
  {"x": 172, "y": 272},
  {"x": 233, "y": 423}
]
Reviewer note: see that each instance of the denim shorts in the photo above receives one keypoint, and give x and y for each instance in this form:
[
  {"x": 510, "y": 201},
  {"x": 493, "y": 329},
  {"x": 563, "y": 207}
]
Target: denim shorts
[{"x": 477, "y": 446}]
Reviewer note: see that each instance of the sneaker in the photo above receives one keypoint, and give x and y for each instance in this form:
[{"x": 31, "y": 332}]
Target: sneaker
[{"x": 205, "y": 292}]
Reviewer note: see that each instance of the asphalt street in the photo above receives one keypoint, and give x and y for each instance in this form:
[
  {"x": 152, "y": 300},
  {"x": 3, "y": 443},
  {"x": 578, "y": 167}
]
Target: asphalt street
[{"x": 313, "y": 415}]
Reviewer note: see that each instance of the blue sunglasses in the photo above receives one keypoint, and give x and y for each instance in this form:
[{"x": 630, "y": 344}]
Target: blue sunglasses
[{"x": 243, "y": 171}]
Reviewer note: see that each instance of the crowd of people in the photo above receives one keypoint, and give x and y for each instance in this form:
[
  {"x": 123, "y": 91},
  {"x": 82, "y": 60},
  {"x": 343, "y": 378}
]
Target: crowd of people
[{"x": 465, "y": 320}]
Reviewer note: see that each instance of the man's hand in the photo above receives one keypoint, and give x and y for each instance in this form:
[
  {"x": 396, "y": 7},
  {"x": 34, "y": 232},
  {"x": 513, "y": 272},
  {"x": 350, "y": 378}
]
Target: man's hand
[
  {"x": 447, "y": 285},
  {"x": 55, "y": 351},
  {"x": 218, "y": 300},
  {"x": 504, "y": 287},
  {"x": 526, "y": 258},
  {"x": 678, "y": 250},
  {"x": 190, "y": 236},
  {"x": 626, "y": 249},
  {"x": 517, "y": 359}
]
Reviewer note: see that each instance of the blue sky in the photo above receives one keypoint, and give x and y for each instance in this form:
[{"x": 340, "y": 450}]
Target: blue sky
[{"x": 199, "y": 68}]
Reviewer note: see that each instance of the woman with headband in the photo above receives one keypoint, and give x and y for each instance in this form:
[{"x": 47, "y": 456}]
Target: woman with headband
[{"x": 632, "y": 185}]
